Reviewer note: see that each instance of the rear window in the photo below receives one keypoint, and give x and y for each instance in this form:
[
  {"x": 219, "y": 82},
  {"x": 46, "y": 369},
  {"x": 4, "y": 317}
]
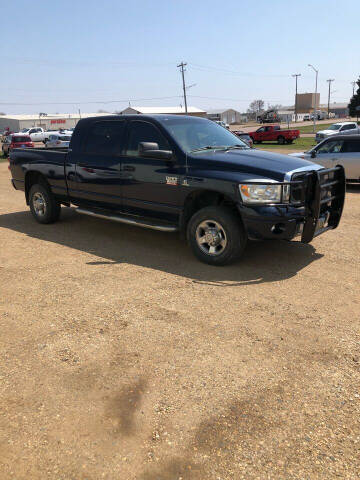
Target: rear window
[
  {"x": 21, "y": 139},
  {"x": 105, "y": 138}
]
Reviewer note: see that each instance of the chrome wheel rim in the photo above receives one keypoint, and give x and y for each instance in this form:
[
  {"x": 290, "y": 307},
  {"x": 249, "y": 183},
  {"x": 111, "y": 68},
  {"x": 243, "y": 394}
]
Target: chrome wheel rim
[
  {"x": 39, "y": 204},
  {"x": 211, "y": 237}
]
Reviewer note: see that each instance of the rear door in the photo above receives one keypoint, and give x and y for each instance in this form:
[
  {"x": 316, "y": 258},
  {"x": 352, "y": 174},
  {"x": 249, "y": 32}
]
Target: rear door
[
  {"x": 97, "y": 179},
  {"x": 348, "y": 129},
  {"x": 150, "y": 185}
]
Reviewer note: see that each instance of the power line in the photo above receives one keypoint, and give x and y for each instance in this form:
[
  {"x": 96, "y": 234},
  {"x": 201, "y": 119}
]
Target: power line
[{"x": 103, "y": 102}]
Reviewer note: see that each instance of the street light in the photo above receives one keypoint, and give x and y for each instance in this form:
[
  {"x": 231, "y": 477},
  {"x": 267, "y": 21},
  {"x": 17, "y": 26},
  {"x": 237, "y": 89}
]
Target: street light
[
  {"x": 316, "y": 79},
  {"x": 296, "y": 75}
]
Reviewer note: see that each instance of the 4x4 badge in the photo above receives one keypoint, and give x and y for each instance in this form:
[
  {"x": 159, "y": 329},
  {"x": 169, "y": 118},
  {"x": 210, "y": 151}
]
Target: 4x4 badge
[{"x": 172, "y": 180}]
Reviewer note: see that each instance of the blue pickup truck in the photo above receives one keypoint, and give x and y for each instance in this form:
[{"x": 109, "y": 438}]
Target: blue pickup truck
[{"x": 181, "y": 173}]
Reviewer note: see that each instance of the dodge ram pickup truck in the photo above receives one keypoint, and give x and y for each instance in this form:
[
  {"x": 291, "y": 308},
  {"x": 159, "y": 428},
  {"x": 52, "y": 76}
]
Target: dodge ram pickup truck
[
  {"x": 272, "y": 133},
  {"x": 180, "y": 173}
]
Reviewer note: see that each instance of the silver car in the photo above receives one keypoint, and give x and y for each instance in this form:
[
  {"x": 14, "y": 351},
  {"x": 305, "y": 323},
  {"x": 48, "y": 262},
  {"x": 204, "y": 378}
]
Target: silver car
[
  {"x": 337, "y": 150},
  {"x": 57, "y": 140}
]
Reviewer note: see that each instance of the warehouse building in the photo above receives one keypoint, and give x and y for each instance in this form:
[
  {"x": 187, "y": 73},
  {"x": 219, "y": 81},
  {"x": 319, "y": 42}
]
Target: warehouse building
[
  {"x": 47, "y": 121},
  {"x": 180, "y": 110}
]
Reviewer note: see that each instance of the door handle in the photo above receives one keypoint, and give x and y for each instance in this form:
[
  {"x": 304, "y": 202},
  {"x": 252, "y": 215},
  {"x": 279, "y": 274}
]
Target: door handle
[{"x": 128, "y": 168}]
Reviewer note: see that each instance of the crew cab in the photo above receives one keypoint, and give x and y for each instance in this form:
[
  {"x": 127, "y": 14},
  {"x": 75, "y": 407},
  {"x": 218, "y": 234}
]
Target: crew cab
[
  {"x": 274, "y": 133},
  {"x": 37, "y": 134},
  {"x": 340, "y": 128},
  {"x": 179, "y": 173},
  {"x": 16, "y": 141}
]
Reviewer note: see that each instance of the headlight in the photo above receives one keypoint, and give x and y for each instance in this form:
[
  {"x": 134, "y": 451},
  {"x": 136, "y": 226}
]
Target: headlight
[{"x": 257, "y": 193}]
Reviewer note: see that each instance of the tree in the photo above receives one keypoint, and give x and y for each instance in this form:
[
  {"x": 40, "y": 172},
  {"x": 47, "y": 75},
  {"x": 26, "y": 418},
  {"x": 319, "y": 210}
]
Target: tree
[
  {"x": 355, "y": 102},
  {"x": 256, "y": 106},
  {"x": 275, "y": 107}
]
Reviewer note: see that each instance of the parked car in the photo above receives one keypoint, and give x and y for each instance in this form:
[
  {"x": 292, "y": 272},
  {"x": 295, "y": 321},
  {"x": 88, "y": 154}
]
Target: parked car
[
  {"x": 181, "y": 173},
  {"x": 222, "y": 124},
  {"x": 307, "y": 117},
  {"x": 58, "y": 140},
  {"x": 16, "y": 141},
  {"x": 272, "y": 133},
  {"x": 244, "y": 136},
  {"x": 337, "y": 150},
  {"x": 37, "y": 134},
  {"x": 341, "y": 128}
]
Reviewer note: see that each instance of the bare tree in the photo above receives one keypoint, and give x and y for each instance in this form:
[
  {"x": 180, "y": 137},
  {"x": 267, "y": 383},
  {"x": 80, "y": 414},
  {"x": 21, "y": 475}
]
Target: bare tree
[{"x": 256, "y": 106}]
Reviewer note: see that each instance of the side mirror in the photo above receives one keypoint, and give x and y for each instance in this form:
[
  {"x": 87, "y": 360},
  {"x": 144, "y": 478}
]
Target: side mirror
[
  {"x": 151, "y": 150},
  {"x": 313, "y": 154}
]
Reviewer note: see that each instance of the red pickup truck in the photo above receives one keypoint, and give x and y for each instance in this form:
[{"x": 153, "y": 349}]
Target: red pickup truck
[{"x": 274, "y": 133}]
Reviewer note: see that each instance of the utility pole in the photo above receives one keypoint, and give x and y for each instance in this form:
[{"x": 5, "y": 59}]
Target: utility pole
[
  {"x": 181, "y": 66},
  {"x": 315, "y": 100},
  {"x": 353, "y": 84},
  {"x": 329, "y": 82},
  {"x": 296, "y": 75}
]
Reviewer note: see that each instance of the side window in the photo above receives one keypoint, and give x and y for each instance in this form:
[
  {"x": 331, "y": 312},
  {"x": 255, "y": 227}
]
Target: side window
[
  {"x": 348, "y": 127},
  {"x": 105, "y": 138},
  {"x": 352, "y": 146},
  {"x": 331, "y": 147},
  {"x": 267, "y": 129},
  {"x": 144, "y": 132}
]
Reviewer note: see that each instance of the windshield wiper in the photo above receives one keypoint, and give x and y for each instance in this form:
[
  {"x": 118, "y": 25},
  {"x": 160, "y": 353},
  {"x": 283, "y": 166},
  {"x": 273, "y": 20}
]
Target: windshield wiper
[
  {"x": 232, "y": 147},
  {"x": 208, "y": 147}
]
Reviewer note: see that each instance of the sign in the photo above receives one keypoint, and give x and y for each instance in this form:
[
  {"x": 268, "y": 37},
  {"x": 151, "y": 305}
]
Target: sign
[{"x": 58, "y": 121}]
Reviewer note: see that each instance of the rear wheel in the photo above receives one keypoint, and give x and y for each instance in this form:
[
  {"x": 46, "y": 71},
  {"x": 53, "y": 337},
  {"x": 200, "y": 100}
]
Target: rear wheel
[
  {"x": 216, "y": 235},
  {"x": 43, "y": 205},
  {"x": 281, "y": 140}
]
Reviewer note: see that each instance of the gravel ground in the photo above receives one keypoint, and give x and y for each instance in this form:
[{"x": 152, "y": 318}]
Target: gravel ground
[{"x": 122, "y": 357}]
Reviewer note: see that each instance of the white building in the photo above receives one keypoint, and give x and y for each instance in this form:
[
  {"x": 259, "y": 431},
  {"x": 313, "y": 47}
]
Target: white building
[
  {"x": 229, "y": 116},
  {"x": 48, "y": 122},
  {"x": 180, "y": 110}
]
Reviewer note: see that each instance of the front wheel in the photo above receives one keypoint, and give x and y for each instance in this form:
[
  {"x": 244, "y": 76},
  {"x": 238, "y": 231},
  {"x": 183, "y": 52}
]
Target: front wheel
[
  {"x": 216, "y": 235},
  {"x": 43, "y": 205},
  {"x": 281, "y": 140}
]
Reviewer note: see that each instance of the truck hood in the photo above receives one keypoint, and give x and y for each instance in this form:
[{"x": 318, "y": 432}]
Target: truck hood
[
  {"x": 252, "y": 161},
  {"x": 328, "y": 132}
]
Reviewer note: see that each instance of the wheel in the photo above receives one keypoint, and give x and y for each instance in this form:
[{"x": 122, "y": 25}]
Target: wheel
[
  {"x": 216, "y": 235},
  {"x": 43, "y": 205},
  {"x": 281, "y": 140}
]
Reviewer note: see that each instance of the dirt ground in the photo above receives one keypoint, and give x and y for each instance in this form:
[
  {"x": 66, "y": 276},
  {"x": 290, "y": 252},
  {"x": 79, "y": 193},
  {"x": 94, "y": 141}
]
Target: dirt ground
[{"x": 123, "y": 358}]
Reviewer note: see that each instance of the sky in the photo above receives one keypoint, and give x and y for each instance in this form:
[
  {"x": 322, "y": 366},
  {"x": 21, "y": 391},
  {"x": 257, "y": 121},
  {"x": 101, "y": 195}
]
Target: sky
[{"x": 65, "y": 55}]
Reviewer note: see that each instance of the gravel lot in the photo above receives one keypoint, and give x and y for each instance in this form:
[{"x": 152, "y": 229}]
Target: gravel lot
[{"x": 124, "y": 358}]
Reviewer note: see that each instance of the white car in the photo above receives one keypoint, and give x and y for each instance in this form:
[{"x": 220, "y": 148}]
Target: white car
[
  {"x": 337, "y": 150},
  {"x": 58, "y": 140},
  {"x": 341, "y": 128}
]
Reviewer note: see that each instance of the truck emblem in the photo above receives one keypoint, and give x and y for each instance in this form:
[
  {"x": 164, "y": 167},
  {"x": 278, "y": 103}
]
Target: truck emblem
[{"x": 172, "y": 180}]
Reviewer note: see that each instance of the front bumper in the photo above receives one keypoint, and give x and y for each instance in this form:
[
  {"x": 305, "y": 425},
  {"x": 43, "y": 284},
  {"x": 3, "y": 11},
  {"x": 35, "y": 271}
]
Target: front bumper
[
  {"x": 268, "y": 222},
  {"x": 320, "y": 199}
]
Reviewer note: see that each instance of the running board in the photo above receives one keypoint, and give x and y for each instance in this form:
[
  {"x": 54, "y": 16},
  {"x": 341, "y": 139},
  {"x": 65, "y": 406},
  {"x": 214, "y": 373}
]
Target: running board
[{"x": 129, "y": 221}]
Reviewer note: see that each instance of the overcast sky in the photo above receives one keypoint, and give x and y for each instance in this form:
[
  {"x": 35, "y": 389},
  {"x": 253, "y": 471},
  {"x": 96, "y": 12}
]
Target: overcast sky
[{"x": 58, "y": 56}]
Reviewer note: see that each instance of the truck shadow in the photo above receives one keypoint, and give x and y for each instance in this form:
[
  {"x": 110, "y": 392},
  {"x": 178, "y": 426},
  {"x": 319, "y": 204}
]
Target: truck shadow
[{"x": 114, "y": 243}]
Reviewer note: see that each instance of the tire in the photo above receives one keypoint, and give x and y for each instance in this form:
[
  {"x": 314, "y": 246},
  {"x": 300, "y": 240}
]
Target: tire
[
  {"x": 43, "y": 205},
  {"x": 281, "y": 140},
  {"x": 222, "y": 226}
]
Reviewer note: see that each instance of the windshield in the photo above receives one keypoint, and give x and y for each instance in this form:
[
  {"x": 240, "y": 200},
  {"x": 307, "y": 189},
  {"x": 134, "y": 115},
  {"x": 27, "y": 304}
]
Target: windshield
[
  {"x": 20, "y": 139},
  {"x": 198, "y": 134},
  {"x": 336, "y": 126}
]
